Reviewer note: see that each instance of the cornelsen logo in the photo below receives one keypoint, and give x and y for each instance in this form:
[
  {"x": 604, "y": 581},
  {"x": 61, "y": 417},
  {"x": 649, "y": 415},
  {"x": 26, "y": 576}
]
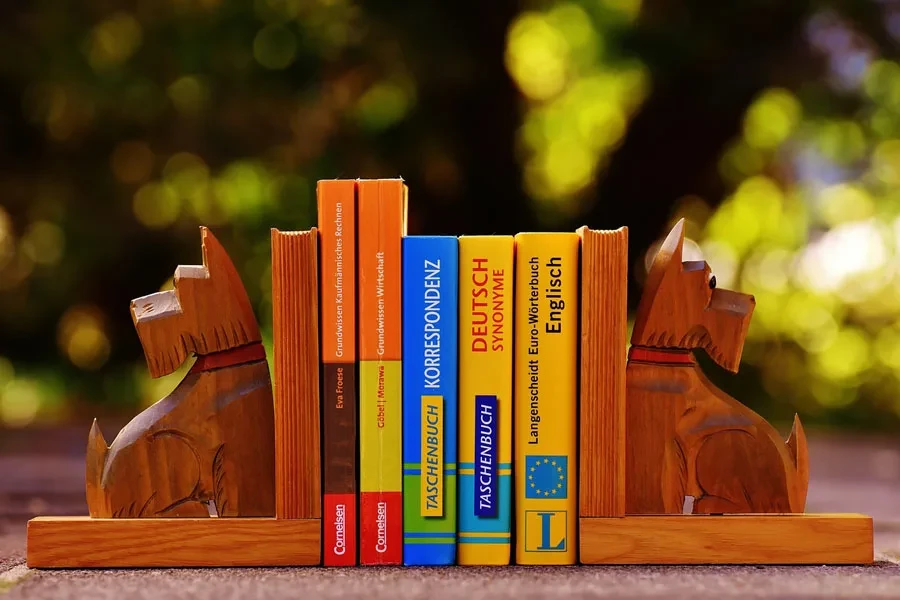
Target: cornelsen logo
[
  {"x": 381, "y": 520},
  {"x": 340, "y": 528}
]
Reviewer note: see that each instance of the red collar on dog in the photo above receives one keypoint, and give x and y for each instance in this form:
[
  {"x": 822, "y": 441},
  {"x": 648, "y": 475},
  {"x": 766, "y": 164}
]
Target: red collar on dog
[
  {"x": 229, "y": 358},
  {"x": 660, "y": 356}
]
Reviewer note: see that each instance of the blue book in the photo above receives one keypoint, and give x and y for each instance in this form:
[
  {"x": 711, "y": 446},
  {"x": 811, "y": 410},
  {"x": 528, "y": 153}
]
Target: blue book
[{"x": 430, "y": 312}]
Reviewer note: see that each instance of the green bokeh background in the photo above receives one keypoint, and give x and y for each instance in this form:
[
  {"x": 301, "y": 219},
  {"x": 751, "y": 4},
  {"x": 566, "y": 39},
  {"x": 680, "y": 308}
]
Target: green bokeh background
[{"x": 772, "y": 127}]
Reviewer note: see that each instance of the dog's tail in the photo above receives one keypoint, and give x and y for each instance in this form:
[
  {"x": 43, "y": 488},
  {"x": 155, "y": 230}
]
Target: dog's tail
[
  {"x": 96, "y": 461},
  {"x": 796, "y": 444}
]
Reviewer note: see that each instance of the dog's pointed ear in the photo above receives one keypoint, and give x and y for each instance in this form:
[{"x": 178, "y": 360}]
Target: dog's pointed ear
[
  {"x": 669, "y": 257},
  {"x": 667, "y": 260},
  {"x": 217, "y": 263},
  {"x": 672, "y": 249},
  {"x": 214, "y": 254}
]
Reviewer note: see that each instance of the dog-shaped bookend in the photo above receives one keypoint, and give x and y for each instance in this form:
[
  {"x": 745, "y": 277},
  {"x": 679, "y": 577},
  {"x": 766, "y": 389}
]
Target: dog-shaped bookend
[
  {"x": 208, "y": 447},
  {"x": 691, "y": 448}
]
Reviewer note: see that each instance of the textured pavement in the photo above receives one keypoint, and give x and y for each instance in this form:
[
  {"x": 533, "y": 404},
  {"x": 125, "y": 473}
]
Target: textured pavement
[{"x": 846, "y": 476}]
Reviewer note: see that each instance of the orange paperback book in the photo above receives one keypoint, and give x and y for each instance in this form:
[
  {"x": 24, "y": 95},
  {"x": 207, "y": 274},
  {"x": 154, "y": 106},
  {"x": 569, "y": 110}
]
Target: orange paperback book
[
  {"x": 382, "y": 224},
  {"x": 337, "y": 258}
]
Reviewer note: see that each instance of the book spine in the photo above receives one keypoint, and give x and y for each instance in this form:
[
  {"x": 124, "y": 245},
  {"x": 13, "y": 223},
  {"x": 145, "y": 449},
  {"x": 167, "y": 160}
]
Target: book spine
[
  {"x": 430, "y": 282},
  {"x": 601, "y": 393},
  {"x": 485, "y": 399},
  {"x": 337, "y": 235},
  {"x": 295, "y": 321},
  {"x": 382, "y": 219},
  {"x": 546, "y": 352}
]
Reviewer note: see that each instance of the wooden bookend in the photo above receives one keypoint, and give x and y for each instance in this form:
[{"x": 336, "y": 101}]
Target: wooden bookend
[
  {"x": 604, "y": 330},
  {"x": 82, "y": 542},
  {"x": 834, "y": 539},
  {"x": 295, "y": 319},
  {"x": 706, "y": 479},
  {"x": 690, "y": 447},
  {"x": 206, "y": 450}
]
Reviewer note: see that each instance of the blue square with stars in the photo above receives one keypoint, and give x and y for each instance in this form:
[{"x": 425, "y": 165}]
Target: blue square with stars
[{"x": 545, "y": 477}]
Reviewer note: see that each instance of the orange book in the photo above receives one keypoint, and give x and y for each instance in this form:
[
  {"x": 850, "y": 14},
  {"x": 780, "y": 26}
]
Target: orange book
[
  {"x": 337, "y": 261},
  {"x": 382, "y": 225}
]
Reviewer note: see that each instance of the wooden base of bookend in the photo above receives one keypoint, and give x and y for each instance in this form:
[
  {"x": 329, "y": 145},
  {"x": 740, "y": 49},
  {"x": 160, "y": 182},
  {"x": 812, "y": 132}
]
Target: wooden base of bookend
[
  {"x": 789, "y": 539},
  {"x": 83, "y": 542}
]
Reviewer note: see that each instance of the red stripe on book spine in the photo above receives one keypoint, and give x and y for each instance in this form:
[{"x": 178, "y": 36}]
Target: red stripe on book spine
[
  {"x": 339, "y": 529},
  {"x": 381, "y": 528}
]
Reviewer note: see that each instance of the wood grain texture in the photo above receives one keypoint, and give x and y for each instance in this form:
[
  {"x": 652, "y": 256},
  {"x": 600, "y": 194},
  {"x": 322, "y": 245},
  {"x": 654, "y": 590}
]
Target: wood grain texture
[
  {"x": 295, "y": 319},
  {"x": 210, "y": 440},
  {"x": 681, "y": 307},
  {"x": 208, "y": 311},
  {"x": 82, "y": 542},
  {"x": 604, "y": 330},
  {"x": 689, "y": 446},
  {"x": 210, "y": 443},
  {"x": 808, "y": 539}
]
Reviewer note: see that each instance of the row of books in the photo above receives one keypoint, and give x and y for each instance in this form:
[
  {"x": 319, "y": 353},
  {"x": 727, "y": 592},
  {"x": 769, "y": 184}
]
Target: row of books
[{"x": 433, "y": 347}]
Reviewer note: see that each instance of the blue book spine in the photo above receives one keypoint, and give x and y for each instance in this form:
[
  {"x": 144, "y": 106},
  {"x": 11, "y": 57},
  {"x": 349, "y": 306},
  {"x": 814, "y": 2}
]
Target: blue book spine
[{"x": 430, "y": 314}]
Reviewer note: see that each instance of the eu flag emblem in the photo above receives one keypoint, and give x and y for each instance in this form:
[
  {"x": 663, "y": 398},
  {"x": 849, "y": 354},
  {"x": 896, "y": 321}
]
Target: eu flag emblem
[{"x": 545, "y": 477}]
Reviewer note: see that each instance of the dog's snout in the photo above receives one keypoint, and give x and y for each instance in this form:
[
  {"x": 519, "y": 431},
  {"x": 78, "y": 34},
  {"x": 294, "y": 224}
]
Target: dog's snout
[{"x": 733, "y": 302}]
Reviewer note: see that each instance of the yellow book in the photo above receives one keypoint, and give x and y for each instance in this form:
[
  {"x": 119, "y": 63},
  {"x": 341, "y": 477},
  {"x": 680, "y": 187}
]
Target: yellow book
[
  {"x": 382, "y": 225},
  {"x": 485, "y": 399},
  {"x": 546, "y": 353}
]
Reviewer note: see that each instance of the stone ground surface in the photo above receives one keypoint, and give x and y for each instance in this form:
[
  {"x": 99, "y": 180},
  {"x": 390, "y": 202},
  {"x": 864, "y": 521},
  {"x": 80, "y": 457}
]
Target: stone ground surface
[{"x": 42, "y": 473}]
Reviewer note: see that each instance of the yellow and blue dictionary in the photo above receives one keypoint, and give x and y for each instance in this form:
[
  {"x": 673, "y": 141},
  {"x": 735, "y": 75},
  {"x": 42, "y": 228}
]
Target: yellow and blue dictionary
[
  {"x": 430, "y": 300},
  {"x": 546, "y": 354},
  {"x": 485, "y": 398}
]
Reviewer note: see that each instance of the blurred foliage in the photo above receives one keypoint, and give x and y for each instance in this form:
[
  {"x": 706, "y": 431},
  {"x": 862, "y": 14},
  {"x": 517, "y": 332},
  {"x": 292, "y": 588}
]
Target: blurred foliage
[{"x": 773, "y": 128}]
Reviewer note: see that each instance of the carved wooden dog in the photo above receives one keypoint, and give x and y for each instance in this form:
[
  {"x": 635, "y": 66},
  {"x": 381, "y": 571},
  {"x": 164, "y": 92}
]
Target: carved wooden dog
[
  {"x": 210, "y": 442},
  {"x": 689, "y": 446}
]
